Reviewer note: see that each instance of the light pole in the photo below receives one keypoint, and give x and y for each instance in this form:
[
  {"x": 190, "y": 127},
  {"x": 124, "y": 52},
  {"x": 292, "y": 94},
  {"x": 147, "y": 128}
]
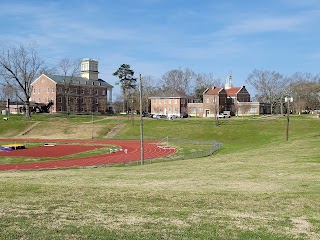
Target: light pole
[
  {"x": 288, "y": 100},
  {"x": 141, "y": 124}
]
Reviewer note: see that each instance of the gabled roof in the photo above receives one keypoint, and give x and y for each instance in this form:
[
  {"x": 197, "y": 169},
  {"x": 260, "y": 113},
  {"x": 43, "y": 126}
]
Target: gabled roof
[
  {"x": 172, "y": 93},
  {"x": 76, "y": 80},
  {"x": 213, "y": 91},
  {"x": 232, "y": 92}
]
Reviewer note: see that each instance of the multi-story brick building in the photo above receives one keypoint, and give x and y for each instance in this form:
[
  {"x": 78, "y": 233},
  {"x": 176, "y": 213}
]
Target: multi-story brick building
[
  {"x": 234, "y": 100},
  {"x": 171, "y": 102},
  {"x": 87, "y": 93}
]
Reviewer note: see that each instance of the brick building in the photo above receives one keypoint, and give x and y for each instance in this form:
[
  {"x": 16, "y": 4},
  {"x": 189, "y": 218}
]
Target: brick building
[
  {"x": 171, "y": 102},
  {"x": 234, "y": 100},
  {"x": 87, "y": 93}
]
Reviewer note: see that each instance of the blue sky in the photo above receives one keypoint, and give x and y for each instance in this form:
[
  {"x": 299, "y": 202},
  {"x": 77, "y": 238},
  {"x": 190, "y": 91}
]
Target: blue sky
[{"x": 154, "y": 36}]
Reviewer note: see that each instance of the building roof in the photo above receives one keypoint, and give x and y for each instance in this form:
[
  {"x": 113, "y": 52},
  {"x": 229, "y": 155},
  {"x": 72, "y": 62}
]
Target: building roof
[
  {"x": 213, "y": 91},
  {"x": 78, "y": 80},
  {"x": 232, "y": 92},
  {"x": 172, "y": 93}
]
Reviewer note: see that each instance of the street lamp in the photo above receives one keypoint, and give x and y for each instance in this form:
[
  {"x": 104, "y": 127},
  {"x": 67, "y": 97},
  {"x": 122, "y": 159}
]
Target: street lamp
[{"x": 288, "y": 100}]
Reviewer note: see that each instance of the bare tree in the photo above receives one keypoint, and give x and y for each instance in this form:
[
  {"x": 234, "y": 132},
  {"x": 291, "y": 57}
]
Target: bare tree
[
  {"x": 19, "y": 65},
  {"x": 69, "y": 70},
  {"x": 149, "y": 89},
  {"x": 178, "y": 79},
  {"x": 8, "y": 92},
  {"x": 204, "y": 81},
  {"x": 305, "y": 91},
  {"x": 269, "y": 85}
]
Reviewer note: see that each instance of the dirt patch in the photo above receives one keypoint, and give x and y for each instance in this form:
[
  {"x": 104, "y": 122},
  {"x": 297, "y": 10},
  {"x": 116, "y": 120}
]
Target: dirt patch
[{"x": 114, "y": 131}]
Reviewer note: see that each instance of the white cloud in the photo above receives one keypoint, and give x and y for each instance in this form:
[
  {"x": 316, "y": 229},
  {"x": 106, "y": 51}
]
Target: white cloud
[{"x": 263, "y": 25}]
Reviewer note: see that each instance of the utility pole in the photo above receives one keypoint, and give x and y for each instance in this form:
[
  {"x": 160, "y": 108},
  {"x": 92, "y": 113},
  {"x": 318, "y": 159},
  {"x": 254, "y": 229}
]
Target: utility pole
[
  {"x": 288, "y": 100},
  {"x": 216, "y": 123},
  {"x": 141, "y": 124}
]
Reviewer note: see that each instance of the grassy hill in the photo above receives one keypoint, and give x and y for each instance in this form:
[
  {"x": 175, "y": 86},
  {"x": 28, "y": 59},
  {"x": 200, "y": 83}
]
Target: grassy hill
[{"x": 257, "y": 187}]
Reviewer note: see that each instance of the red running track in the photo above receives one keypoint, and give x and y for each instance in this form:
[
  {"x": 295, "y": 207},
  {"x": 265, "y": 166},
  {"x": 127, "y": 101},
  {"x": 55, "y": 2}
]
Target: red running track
[{"x": 151, "y": 151}]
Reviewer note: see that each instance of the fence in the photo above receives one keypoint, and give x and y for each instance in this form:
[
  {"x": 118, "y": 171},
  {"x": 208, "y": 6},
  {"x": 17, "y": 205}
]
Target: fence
[{"x": 211, "y": 147}]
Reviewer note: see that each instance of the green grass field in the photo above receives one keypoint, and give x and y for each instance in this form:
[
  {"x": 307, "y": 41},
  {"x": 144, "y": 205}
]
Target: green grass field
[{"x": 258, "y": 186}]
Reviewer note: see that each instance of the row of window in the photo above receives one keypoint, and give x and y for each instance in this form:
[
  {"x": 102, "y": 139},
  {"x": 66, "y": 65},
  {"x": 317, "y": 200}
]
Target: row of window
[
  {"x": 195, "y": 109},
  {"x": 160, "y": 110},
  {"x": 74, "y": 90},
  {"x": 83, "y": 109},
  {"x": 165, "y": 101},
  {"x": 76, "y": 100}
]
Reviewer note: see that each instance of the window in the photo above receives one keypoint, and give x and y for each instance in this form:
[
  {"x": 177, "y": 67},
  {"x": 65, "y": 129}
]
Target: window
[
  {"x": 52, "y": 90},
  {"x": 82, "y": 100},
  {"x": 48, "y": 90},
  {"x": 90, "y": 91},
  {"x": 154, "y": 101},
  {"x": 165, "y": 101},
  {"x": 160, "y": 100},
  {"x": 103, "y": 92},
  {"x": 97, "y": 91},
  {"x": 60, "y": 108},
  {"x": 97, "y": 100},
  {"x": 82, "y": 109},
  {"x": 169, "y": 101},
  {"x": 34, "y": 90},
  {"x": 207, "y": 100},
  {"x": 175, "y": 101},
  {"x": 60, "y": 99},
  {"x": 38, "y": 90},
  {"x": 82, "y": 91},
  {"x": 76, "y": 90},
  {"x": 60, "y": 89},
  {"x": 97, "y": 109}
]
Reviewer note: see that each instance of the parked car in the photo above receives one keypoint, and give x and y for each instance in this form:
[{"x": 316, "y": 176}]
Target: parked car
[
  {"x": 184, "y": 115},
  {"x": 145, "y": 114},
  {"x": 223, "y": 115}
]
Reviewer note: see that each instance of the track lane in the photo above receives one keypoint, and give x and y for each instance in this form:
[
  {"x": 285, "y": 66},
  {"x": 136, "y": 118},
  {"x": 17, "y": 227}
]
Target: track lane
[{"x": 151, "y": 151}]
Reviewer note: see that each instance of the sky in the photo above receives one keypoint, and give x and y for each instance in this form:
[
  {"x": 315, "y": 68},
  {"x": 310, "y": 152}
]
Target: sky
[{"x": 222, "y": 37}]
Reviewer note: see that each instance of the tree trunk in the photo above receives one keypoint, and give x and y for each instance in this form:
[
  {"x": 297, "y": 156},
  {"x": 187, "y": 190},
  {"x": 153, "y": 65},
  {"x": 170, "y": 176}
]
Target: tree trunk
[{"x": 27, "y": 106}]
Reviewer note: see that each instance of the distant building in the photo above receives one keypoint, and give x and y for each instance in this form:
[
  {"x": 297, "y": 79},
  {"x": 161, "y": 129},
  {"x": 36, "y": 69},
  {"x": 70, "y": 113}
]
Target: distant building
[
  {"x": 87, "y": 93},
  {"x": 171, "y": 102},
  {"x": 234, "y": 100}
]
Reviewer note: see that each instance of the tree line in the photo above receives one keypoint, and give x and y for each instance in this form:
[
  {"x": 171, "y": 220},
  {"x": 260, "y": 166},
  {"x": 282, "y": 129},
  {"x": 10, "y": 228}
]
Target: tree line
[{"x": 21, "y": 64}]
